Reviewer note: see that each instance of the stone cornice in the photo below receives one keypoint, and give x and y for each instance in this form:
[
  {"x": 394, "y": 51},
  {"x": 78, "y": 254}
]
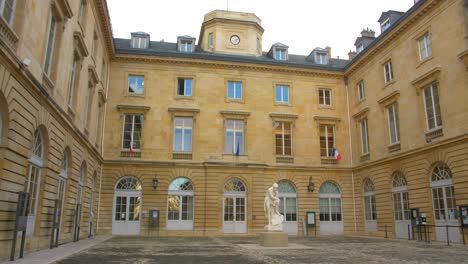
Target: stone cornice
[
  {"x": 464, "y": 57},
  {"x": 283, "y": 116},
  {"x": 361, "y": 113},
  {"x": 226, "y": 64},
  {"x": 104, "y": 19},
  {"x": 394, "y": 33}
]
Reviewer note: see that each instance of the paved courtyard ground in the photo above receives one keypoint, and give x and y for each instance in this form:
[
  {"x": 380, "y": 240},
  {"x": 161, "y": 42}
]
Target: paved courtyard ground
[{"x": 244, "y": 250}]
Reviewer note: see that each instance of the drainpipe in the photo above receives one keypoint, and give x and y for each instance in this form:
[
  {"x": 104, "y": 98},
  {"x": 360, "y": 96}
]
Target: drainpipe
[{"x": 351, "y": 152}]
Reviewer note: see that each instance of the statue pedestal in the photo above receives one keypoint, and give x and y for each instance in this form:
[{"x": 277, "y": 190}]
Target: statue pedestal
[{"x": 274, "y": 239}]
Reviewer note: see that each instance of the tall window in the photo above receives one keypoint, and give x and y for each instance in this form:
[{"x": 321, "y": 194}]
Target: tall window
[
  {"x": 95, "y": 43},
  {"x": 388, "y": 71},
  {"x": 234, "y": 90},
  {"x": 186, "y": 46},
  {"x": 443, "y": 193},
  {"x": 321, "y": 58},
  {"x": 425, "y": 47},
  {"x": 87, "y": 104},
  {"x": 330, "y": 202},
  {"x": 393, "y": 123},
  {"x": 234, "y": 136},
  {"x": 33, "y": 180},
  {"x": 431, "y": 103},
  {"x": 7, "y": 10},
  {"x": 62, "y": 183},
  {"x": 184, "y": 87},
  {"x": 136, "y": 84},
  {"x": 282, "y": 94},
  {"x": 180, "y": 204},
  {"x": 283, "y": 138},
  {"x": 361, "y": 91},
  {"x": 400, "y": 197},
  {"x": 210, "y": 40},
  {"x": 72, "y": 81},
  {"x": 50, "y": 45},
  {"x": 327, "y": 140},
  {"x": 132, "y": 132},
  {"x": 369, "y": 200},
  {"x": 364, "y": 137},
  {"x": 183, "y": 134},
  {"x": 79, "y": 192},
  {"x": 280, "y": 54},
  {"x": 287, "y": 195},
  {"x": 325, "y": 97},
  {"x": 81, "y": 15}
]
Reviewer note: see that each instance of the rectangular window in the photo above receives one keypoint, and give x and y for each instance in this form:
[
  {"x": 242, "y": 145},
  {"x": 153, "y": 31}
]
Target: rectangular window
[
  {"x": 325, "y": 97},
  {"x": 280, "y": 54},
  {"x": 386, "y": 24},
  {"x": 393, "y": 123},
  {"x": 185, "y": 46},
  {"x": 183, "y": 134},
  {"x": 50, "y": 45},
  {"x": 327, "y": 140},
  {"x": 388, "y": 71},
  {"x": 283, "y": 138},
  {"x": 359, "y": 48},
  {"x": 210, "y": 40},
  {"x": 87, "y": 104},
  {"x": 72, "y": 83},
  {"x": 282, "y": 94},
  {"x": 136, "y": 84},
  {"x": 234, "y": 90},
  {"x": 140, "y": 42},
  {"x": 364, "y": 137},
  {"x": 361, "y": 91},
  {"x": 234, "y": 137},
  {"x": 425, "y": 47},
  {"x": 132, "y": 132},
  {"x": 81, "y": 15},
  {"x": 431, "y": 103},
  {"x": 321, "y": 58},
  {"x": 7, "y": 10},
  {"x": 184, "y": 87}
]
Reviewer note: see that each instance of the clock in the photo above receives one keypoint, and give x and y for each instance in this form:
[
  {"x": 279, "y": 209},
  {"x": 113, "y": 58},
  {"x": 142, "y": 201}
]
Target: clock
[{"x": 235, "y": 39}]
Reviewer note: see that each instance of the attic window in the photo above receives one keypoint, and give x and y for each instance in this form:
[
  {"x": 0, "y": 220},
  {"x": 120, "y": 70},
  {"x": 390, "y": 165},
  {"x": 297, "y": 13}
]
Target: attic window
[
  {"x": 360, "y": 48},
  {"x": 186, "y": 46},
  {"x": 321, "y": 58},
  {"x": 280, "y": 54},
  {"x": 385, "y": 25},
  {"x": 139, "y": 42}
]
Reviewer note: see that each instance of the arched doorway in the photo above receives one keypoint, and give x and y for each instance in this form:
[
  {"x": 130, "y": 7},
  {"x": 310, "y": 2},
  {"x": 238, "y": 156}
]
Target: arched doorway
[
  {"x": 401, "y": 208},
  {"x": 180, "y": 205},
  {"x": 127, "y": 207},
  {"x": 234, "y": 207},
  {"x": 331, "y": 218},
  {"x": 288, "y": 206},
  {"x": 370, "y": 207},
  {"x": 443, "y": 199}
]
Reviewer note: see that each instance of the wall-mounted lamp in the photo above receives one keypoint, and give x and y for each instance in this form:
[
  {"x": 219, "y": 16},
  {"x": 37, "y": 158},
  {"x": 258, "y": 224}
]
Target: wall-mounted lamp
[
  {"x": 311, "y": 186},
  {"x": 155, "y": 183}
]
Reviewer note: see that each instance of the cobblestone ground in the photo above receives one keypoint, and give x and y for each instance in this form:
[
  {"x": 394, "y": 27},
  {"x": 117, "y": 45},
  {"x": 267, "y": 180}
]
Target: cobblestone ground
[{"x": 228, "y": 250}]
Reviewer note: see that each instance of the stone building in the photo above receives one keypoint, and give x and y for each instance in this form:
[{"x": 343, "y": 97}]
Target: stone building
[{"x": 127, "y": 129}]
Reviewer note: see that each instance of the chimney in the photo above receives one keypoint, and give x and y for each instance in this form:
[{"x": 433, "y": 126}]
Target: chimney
[
  {"x": 368, "y": 33},
  {"x": 328, "y": 49},
  {"x": 351, "y": 55}
]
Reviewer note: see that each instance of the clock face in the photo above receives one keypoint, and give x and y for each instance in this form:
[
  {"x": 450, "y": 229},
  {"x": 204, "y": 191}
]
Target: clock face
[{"x": 235, "y": 39}]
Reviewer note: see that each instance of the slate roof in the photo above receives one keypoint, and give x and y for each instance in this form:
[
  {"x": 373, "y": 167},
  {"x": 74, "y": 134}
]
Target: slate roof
[{"x": 167, "y": 49}]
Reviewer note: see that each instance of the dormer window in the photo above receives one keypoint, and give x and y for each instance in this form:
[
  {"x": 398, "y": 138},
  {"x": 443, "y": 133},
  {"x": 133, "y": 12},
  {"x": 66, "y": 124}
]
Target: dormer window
[
  {"x": 280, "y": 54},
  {"x": 360, "y": 48},
  {"x": 140, "y": 40},
  {"x": 385, "y": 25},
  {"x": 185, "y": 44},
  {"x": 321, "y": 58},
  {"x": 278, "y": 51}
]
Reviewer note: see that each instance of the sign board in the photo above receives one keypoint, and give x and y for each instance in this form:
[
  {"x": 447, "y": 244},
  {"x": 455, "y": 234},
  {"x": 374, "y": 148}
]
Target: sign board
[
  {"x": 464, "y": 215},
  {"x": 423, "y": 219},
  {"x": 311, "y": 218}
]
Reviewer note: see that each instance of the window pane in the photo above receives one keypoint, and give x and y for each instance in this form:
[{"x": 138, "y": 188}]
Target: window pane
[
  {"x": 285, "y": 94},
  {"x": 178, "y": 139},
  {"x": 231, "y": 90},
  {"x": 188, "y": 140},
  {"x": 229, "y": 142},
  {"x": 239, "y": 142},
  {"x": 188, "y": 87},
  {"x": 173, "y": 207},
  {"x": 278, "y": 93}
]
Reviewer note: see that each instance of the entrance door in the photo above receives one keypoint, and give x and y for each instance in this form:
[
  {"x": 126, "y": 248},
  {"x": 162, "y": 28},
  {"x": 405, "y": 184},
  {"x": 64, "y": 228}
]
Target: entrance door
[
  {"x": 234, "y": 215},
  {"x": 234, "y": 207},
  {"x": 401, "y": 208},
  {"x": 288, "y": 206},
  {"x": 331, "y": 219},
  {"x": 127, "y": 207}
]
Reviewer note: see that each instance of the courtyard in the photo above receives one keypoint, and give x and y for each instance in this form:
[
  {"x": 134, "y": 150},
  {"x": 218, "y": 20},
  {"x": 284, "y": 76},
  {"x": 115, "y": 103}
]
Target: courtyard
[{"x": 228, "y": 250}]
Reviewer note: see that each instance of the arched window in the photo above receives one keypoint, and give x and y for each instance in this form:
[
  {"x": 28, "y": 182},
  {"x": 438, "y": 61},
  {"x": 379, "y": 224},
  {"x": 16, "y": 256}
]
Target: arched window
[
  {"x": 129, "y": 183},
  {"x": 234, "y": 204},
  {"x": 370, "y": 205},
  {"x": 79, "y": 192},
  {"x": 399, "y": 181},
  {"x": 330, "y": 202},
  {"x": 127, "y": 205},
  {"x": 234, "y": 185},
  {"x": 36, "y": 163},
  {"x": 443, "y": 193},
  {"x": 401, "y": 207},
  {"x": 288, "y": 205},
  {"x": 180, "y": 204}
]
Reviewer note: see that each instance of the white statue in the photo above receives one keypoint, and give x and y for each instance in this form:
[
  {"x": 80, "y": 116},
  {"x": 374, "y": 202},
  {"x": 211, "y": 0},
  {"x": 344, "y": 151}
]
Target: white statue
[{"x": 271, "y": 207}]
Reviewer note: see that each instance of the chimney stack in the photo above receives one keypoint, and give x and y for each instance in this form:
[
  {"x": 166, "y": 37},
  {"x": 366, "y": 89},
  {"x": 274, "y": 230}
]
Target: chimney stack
[
  {"x": 351, "y": 55},
  {"x": 328, "y": 49},
  {"x": 368, "y": 33}
]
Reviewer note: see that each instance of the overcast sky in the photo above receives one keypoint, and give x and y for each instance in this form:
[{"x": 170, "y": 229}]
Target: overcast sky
[{"x": 300, "y": 24}]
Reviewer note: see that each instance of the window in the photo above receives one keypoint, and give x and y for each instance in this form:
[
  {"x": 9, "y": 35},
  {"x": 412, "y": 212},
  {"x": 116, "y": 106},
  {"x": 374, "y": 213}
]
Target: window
[
  {"x": 210, "y": 40},
  {"x": 140, "y": 42},
  {"x": 87, "y": 104},
  {"x": 72, "y": 81},
  {"x": 321, "y": 58},
  {"x": 33, "y": 180},
  {"x": 7, "y": 10},
  {"x": 234, "y": 137},
  {"x": 359, "y": 48},
  {"x": 136, "y": 84},
  {"x": 81, "y": 15},
  {"x": 393, "y": 123},
  {"x": 50, "y": 45},
  {"x": 443, "y": 194},
  {"x": 369, "y": 200},
  {"x": 180, "y": 203},
  {"x": 400, "y": 197},
  {"x": 325, "y": 97},
  {"x": 330, "y": 202},
  {"x": 186, "y": 46},
  {"x": 283, "y": 138},
  {"x": 184, "y": 87},
  {"x": 234, "y": 90},
  {"x": 327, "y": 140},
  {"x": 425, "y": 47},
  {"x": 183, "y": 134},
  {"x": 364, "y": 137},
  {"x": 431, "y": 103},
  {"x": 280, "y": 54},
  {"x": 132, "y": 132},
  {"x": 79, "y": 192},
  {"x": 361, "y": 91},
  {"x": 388, "y": 71},
  {"x": 62, "y": 183},
  {"x": 288, "y": 201},
  {"x": 282, "y": 94},
  {"x": 385, "y": 25},
  {"x": 95, "y": 43}
]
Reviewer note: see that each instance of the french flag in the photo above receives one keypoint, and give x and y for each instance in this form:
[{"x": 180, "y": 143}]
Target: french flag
[{"x": 336, "y": 154}]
